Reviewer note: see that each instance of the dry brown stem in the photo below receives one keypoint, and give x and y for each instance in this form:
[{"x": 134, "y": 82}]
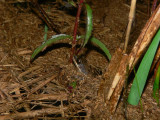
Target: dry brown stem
[{"x": 131, "y": 19}]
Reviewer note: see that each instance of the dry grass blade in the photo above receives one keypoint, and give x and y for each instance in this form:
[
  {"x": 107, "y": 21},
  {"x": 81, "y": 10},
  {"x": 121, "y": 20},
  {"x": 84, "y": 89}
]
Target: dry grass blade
[
  {"x": 36, "y": 80},
  {"x": 60, "y": 96},
  {"x": 34, "y": 113},
  {"x": 42, "y": 84},
  {"x": 28, "y": 71},
  {"x": 23, "y": 51}
]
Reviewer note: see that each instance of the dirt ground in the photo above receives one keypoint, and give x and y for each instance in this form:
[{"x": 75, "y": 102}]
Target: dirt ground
[{"x": 42, "y": 89}]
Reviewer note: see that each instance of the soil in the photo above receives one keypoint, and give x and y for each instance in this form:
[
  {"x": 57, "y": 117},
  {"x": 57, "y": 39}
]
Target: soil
[{"x": 51, "y": 87}]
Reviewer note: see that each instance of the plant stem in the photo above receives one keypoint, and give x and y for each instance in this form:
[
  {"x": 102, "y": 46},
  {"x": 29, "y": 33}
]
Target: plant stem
[{"x": 75, "y": 30}]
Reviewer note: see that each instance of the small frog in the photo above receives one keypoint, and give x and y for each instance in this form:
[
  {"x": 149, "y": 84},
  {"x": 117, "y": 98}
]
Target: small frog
[
  {"x": 81, "y": 64},
  {"x": 83, "y": 67}
]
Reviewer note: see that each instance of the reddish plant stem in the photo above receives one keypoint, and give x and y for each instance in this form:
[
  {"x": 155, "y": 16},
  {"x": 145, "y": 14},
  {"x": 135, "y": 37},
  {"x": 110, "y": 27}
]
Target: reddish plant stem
[{"x": 75, "y": 30}]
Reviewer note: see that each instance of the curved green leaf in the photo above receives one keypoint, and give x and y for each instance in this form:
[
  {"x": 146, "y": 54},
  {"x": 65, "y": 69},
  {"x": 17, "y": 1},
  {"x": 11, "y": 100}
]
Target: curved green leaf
[
  {"x": 102, "y": 46},
  {"x": 89, "y": 24},
  {"x": 48, "y": 43},
  {"x": 143, "y": 71}
]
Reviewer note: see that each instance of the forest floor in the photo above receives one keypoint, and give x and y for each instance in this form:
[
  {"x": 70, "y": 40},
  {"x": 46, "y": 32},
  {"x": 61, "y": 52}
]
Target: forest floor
[{"x": 43, "y": 89}]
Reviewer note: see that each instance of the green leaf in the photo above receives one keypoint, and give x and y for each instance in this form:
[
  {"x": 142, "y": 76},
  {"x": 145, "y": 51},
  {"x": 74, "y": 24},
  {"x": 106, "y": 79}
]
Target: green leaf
[
  {"x": 156, "y": 86},
  {"x": 143, "y": 71},
  {"x": 74, "y": 84},
  {"x": 45, "y": 30},
  {"x": 89, "y": 24},
  {"x": 102, "y": 46},
  {"x": 48, "y": 43},
  {"x": 72, "y": 3}
]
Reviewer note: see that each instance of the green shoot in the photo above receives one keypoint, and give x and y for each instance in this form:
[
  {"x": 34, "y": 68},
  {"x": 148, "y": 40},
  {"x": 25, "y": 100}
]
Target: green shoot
[
  {"x": 45, "y": 30},
  {"x": 156, "y": 86},
  {"x": 143, "y": 71},
  {"x": 138, "y": 89}
]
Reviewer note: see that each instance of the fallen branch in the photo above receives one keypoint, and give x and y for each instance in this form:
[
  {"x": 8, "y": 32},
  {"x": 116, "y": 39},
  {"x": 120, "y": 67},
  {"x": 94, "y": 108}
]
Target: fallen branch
[
  {"x": 112, "y": 69},
  {"x": 120, "y": 75}
]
